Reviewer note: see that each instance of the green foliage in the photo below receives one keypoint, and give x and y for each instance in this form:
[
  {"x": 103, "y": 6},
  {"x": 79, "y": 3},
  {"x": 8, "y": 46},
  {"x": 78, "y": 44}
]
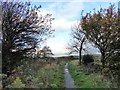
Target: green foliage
[
  {"x": 3, "y": 76},
  {"x": 17, "y": 83},
  {"x": 87, "y": 59},
  {"x": 53, "y": 86}
]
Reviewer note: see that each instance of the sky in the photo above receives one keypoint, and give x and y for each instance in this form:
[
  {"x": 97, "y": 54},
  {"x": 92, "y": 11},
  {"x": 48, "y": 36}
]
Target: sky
[{"x": 67, "y": 13}]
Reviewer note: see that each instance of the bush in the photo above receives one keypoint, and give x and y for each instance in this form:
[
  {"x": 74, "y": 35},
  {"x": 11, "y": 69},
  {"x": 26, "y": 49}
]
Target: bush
[
  {"x": 87, "y": 59},
  {"x": 114, "y": 66},
  {"x": 17, "y": 83}
]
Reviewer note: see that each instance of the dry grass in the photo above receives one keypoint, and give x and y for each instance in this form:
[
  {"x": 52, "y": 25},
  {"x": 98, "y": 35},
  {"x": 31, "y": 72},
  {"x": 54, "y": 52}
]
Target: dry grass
[
  {"x": 39, "y": 64},
  {"x": 50, "y": 66},
  {"x": 36, "y": 74},
  {"x": 75, "y": 62}
]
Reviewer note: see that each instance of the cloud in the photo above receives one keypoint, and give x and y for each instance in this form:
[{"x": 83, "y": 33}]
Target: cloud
[
  {"x": 65, "y": 14},
  {"x": 58, "y": 48},
  {"x": 65, "y": 10},
  {"x": 57, "y": 44},
  {"x": 65, "y": 17},
  {"x": 63, "y": 25}
]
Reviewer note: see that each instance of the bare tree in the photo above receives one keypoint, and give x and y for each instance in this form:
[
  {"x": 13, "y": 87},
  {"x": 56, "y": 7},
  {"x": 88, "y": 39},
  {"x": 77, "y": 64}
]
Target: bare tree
[{"x": 76, "y": 44}]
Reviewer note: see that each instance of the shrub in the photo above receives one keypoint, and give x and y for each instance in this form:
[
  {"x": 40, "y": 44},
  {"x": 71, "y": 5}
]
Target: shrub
[
  {"x": 18, "y": 83},
  {"x": 87, "y": 59},
  {"x": 114, "y": 66}
]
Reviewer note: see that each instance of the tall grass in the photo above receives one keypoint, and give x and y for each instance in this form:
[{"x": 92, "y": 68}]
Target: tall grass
[{"x": 39, "y": 74}]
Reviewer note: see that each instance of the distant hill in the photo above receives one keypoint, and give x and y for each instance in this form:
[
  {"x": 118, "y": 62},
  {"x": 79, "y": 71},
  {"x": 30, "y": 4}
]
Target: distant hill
[{"x": 96, "y": 56}]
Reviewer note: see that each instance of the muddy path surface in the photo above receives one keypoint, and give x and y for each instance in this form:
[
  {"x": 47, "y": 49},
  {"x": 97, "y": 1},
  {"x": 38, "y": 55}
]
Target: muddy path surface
[{"x": 69, "y": 82}]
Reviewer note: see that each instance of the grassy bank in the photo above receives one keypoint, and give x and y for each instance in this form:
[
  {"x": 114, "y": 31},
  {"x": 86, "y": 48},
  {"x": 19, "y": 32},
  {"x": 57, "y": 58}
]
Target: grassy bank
[
  {"x": 37, "y": 74},
  {"x": 87, "y": 80}
]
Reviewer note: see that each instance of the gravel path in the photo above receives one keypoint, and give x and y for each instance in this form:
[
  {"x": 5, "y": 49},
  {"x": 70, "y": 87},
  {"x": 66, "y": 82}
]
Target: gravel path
[{"x": 69, "y": 82}]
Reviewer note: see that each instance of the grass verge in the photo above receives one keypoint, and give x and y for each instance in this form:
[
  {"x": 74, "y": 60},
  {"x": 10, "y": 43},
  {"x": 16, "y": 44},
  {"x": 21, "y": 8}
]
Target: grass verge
[{"x": 85, "y": 80}]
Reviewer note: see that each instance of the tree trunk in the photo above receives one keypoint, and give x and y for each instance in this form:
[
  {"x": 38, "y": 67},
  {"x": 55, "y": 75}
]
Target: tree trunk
[
  {"x": 80, "y": 56},
  {"x": 118, "y": 82},
  {"x": 80, "y": 51},
  {"x": 103, "y": 59}
]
